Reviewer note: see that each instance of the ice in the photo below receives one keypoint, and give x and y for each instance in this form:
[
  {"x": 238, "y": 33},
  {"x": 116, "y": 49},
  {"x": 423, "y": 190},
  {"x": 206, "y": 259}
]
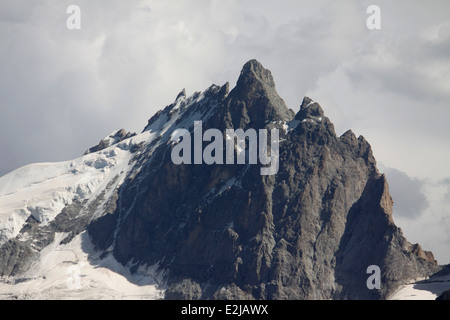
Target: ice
[
  {"x": 74, "y": 271},
  {"x": 428, "y": 289},
  {"x": 311, "y": 103},
  {"x": 44, "y": 189}
]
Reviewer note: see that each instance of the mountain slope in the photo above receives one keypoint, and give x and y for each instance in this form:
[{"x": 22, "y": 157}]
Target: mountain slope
[{"x": 223, "y": 231}]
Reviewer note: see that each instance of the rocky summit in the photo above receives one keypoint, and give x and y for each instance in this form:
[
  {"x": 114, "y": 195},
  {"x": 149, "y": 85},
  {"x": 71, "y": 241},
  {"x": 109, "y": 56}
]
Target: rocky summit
[{"x": 224, "y": 231}]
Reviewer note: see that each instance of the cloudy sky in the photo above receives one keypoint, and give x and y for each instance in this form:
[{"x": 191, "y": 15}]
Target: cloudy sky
[{"x": 63, "y": 90}]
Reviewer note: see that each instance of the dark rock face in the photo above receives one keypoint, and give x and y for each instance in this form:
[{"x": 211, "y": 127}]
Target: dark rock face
[
  {"x": 444, "y": 296},
  {"x": 227, "y": 232},
  {"x": 253, "y": 102}
]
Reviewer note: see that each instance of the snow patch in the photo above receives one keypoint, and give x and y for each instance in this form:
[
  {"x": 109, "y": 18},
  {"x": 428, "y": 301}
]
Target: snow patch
[
  {"x": 290, "y": 125},
  {"x": 42, "y": 190},
  {"x": 427, "y": 289},
  {"x": 74, "y": 271}
]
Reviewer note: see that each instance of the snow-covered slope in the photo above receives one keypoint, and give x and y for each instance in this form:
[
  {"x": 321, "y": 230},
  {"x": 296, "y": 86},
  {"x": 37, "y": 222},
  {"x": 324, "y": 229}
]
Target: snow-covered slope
[
  {"x": 426, "y": 289},
  {"x": 41, "y": 191},
  {"x": 73, "y": 271}
]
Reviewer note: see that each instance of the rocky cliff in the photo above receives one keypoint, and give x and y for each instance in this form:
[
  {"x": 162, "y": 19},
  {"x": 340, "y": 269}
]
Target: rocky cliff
[{"x": 224, "y": 231}]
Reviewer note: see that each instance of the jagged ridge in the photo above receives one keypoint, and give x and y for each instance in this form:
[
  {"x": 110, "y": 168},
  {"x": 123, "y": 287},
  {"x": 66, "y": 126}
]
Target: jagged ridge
[
  {"x": 308, "y": 232},
  {"x": 225, "y": 231}
]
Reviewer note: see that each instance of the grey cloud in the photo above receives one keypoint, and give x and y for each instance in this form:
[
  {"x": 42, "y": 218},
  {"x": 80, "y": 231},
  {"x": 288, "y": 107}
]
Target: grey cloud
[
  {"x": 49, "y": 101},
  {"x": 446, "y": 184},
  {"x": 446, "y": 181},
  {"x": 408, "y": 195},
  {"x": 412, "y": 68},
  {"x": 409, "y": 55},
  {"x": 304, "y": 49}
]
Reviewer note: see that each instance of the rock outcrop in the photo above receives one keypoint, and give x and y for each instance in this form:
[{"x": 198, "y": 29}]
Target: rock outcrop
[
  {"x": 444, "y": 296},
  {"x": 112, "y": 139},
  {"x": 227, "y": 232}
]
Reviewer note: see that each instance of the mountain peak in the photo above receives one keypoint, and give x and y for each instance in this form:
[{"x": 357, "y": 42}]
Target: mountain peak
[
  {"x": 181, "y": 95},
  {"x": 254, "y": 70},
  {"x": 309, "y": 106},
  {"x": 216, "y": 230}
]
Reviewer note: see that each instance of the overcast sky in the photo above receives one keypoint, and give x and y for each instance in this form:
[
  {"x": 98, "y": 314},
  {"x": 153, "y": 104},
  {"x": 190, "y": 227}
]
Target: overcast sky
[{"x": 63, "y": 90}]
